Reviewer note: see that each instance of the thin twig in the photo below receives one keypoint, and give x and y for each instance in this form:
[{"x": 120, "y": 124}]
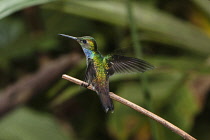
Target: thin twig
[{"x": 137, "y": 108}]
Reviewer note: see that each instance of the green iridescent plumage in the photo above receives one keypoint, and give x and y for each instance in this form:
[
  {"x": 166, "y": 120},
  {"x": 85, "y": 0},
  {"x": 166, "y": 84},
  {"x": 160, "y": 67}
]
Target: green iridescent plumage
[{"x": 100, "y": 68}]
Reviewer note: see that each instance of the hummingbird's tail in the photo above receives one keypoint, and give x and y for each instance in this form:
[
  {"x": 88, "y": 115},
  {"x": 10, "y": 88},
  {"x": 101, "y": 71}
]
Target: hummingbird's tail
[{"x": 106, "y": 101}]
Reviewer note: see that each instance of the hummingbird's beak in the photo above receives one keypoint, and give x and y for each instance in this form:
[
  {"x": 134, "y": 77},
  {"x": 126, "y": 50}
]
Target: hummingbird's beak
[{"x": 68, "y": 36}]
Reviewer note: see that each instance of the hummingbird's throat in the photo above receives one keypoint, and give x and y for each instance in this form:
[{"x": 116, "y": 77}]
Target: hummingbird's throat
[{"x": 88, "y": 53}]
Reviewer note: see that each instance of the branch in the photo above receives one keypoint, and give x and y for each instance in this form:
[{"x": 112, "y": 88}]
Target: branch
[
  {"x": 137, "y": 108},
  {"x": 27, "y": 87}
]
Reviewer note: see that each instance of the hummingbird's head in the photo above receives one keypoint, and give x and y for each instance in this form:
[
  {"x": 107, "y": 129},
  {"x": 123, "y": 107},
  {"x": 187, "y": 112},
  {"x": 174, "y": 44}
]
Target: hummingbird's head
[{"x": 86, "y": 42}]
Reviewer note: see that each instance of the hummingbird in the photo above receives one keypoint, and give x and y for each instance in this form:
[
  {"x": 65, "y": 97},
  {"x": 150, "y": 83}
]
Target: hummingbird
[{"x": 100, "y": 68}]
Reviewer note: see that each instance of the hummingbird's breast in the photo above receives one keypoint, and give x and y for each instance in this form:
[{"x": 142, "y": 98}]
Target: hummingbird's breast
[{"x": 101, "y": 72}]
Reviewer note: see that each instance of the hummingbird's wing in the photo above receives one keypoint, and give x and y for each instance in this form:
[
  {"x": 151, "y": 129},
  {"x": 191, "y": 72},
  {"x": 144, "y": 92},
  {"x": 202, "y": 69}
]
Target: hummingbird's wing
[
  {"x": 90, "y": 73},
  {"x": 123, "y": 64}
]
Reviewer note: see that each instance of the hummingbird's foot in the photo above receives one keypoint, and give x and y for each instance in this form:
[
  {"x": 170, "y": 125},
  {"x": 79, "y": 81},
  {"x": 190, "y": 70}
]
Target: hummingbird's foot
[{"x": 85, "y": 85}]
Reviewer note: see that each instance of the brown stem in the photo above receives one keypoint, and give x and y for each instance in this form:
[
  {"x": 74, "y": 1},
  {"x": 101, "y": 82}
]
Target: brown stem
[
  {"x": 137, "y": 108},
  {"x": 27, "y": 87}
]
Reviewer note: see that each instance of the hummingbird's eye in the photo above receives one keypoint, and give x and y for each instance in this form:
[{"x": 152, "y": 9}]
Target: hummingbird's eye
[{"x": 84, "y": 41}]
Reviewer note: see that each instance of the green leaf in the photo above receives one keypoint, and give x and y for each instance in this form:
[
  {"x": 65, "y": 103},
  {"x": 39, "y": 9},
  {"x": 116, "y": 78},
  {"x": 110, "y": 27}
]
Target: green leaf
[
  {"x": 25, "y": 124},
  {"x": 10, "y": 6},
  {"x": 158, "y": 26},
  {"x": 204, "y": 5}
]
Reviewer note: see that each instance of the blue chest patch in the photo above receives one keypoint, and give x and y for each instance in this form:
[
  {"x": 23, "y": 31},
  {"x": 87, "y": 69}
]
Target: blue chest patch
[{"x": 88, "y": 53}]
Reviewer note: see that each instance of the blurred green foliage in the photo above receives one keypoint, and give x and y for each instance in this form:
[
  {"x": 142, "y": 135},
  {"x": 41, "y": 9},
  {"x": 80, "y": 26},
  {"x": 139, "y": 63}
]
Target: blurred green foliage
[
  {"x": 174, "y": 36},
  {"x": 25, "y": 124}
]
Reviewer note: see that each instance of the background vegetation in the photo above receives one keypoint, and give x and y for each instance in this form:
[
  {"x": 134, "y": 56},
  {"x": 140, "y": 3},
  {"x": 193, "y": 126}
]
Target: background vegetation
[{"x": 35, "y": 103}]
